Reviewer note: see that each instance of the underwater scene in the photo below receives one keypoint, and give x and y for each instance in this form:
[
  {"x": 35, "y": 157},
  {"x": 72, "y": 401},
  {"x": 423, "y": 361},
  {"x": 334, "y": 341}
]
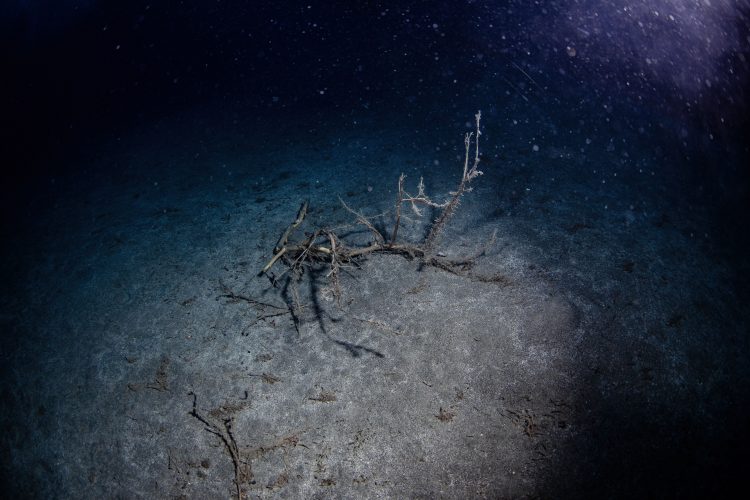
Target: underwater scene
[{"x": 414, "y": 249}]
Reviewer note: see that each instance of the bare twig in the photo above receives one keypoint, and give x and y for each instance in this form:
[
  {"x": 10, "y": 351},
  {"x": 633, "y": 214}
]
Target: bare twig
[
  {"x": 468, "y": 176},
  {"x": 230, "y": 294},
  {"x": 242, "y": 470},
  {"x": 323, "y": 247},
  {"x": 333, "y": 274},
  {"x": 361, "y": 219},
  {"x": 280, "y": 248},
  {"x": 399, "y": 200},
  {"x": 301, "y": 213}
]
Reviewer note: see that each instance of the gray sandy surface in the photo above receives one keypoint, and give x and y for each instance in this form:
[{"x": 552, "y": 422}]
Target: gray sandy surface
[{"x": 601, "y": 326}]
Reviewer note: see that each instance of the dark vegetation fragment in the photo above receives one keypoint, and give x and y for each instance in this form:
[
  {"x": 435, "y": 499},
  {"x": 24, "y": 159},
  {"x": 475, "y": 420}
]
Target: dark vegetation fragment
[{"x": 324, "y": 251}]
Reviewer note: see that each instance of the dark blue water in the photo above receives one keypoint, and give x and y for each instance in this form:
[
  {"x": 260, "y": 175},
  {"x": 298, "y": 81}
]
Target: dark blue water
[{"x": 153, "y": 136}]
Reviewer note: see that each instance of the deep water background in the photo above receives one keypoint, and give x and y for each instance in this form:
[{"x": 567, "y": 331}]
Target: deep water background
[
  {"x": 77, "y": 72},
  {"x": 662, "y": 85}
]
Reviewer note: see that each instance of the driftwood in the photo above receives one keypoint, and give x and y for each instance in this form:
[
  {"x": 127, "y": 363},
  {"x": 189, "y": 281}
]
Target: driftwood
[{"x": 323, "y": 246}]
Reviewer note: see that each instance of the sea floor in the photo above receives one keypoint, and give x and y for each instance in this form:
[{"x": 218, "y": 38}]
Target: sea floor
[{"x": 598, "y": 346}]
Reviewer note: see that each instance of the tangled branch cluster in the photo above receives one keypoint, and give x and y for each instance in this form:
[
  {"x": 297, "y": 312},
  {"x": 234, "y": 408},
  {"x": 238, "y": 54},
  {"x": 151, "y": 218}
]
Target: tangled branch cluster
[{"x": 323, "y": 246}]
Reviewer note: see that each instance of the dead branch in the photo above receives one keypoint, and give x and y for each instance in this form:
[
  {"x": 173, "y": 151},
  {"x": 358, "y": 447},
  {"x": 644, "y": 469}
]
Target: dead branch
[
  {"x": 323, "y": 247},
  {"x": 236, "y": 297},
  {"x": 280, "y": 248},
  {"x": 361, "y": 219},
  {"x": 468, "y": 176},
  {"x": 242, "y": 471},
  {"x": 297, "y": 221}
]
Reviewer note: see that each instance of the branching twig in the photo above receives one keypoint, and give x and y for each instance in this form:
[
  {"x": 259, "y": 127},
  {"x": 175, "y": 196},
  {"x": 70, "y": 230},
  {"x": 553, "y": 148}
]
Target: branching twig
[
  {"x": 242, "y": 471},
  {"x": 361, "y": 219},
  {"x": 468, "y": 176},
  {"x": 335, "y": 254},
  {"x": 230, "y": 294},
  {"x": 280, "y": 248}
]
